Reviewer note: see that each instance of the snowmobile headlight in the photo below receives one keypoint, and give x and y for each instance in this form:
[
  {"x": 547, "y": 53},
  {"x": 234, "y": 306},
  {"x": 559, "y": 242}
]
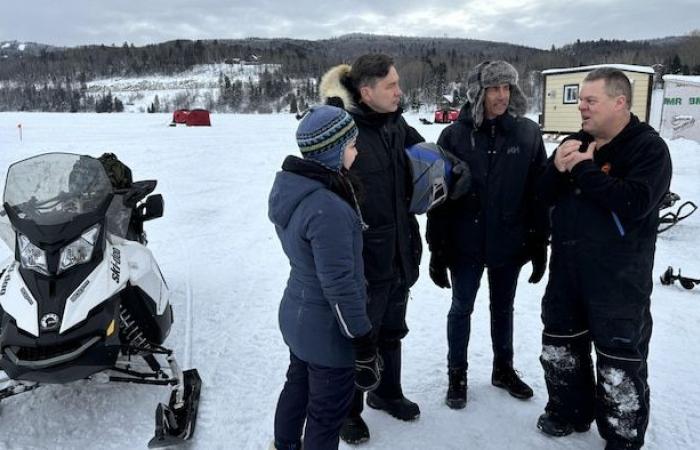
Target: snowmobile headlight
[
  {"x": 31, "y": 256},
  {"x": 80, "y": 250}
]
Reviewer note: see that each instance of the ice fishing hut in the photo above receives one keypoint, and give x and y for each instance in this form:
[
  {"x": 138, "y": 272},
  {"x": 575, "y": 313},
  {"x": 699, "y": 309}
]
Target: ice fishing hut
[
  {"x": 680, "y": 113},
  {"x": 180, "y": 116},
  {"x": 198, "y": 118},
  {"x": 560, "y": 114}
]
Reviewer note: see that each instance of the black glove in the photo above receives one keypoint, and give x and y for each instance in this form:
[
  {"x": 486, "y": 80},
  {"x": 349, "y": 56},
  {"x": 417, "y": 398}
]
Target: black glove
[
  {"x": 537, "y": 252},
  {"x": 368, "y": 364},
  {"x": 438, "y": 270}
]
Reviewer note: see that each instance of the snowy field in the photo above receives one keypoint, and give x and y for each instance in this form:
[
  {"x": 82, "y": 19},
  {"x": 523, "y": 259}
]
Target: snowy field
[{"x": 216, "y": 245}]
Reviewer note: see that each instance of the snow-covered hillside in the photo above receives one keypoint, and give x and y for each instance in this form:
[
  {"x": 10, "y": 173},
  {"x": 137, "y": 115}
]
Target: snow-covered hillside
[
  {"x": 201, "y": 83},
  {"x": 216, "y": 243}
]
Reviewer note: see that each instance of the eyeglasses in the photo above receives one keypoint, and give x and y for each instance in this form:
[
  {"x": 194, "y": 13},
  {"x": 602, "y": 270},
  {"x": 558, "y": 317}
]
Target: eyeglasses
[
  {"x": 668, "y": 278},
  {"x": 670, "y": 218}
]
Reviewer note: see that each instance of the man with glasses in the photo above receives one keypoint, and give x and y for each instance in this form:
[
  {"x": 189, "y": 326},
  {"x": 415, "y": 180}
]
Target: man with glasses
[{"x": 606, "y": 184}]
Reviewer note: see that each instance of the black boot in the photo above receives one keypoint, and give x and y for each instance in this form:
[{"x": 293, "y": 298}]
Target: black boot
[
  {"x": 401, "y": 408},
  {"x": 457, "y": 391},
  {"x": 354, "y": 430},
  {"x": 556, "y": 426},
  {"x": 507, "y": 378},
  {"x": 389, "y": 396}
]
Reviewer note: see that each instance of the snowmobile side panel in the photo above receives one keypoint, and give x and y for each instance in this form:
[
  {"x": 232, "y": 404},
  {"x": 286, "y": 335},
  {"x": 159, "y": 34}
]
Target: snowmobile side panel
[
  {"x": 145, "y": 273},
  {"x": 17, "y": 301},
  {"x": 108, "y": 278}
]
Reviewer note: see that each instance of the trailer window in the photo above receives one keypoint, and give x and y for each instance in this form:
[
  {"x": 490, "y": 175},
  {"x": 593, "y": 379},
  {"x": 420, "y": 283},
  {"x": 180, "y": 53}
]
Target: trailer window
[{"x": 570, "y": 93}]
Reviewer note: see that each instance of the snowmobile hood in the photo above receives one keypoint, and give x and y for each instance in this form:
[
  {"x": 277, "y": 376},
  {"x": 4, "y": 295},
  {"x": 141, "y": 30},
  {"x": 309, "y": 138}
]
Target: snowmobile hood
[{"x": 288, "y": 190}]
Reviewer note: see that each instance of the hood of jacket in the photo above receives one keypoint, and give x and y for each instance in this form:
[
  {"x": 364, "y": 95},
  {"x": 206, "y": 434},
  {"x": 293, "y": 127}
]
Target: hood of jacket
[
  {"x": 335, "y": 85},
  {"x": 288, "y": 190}
]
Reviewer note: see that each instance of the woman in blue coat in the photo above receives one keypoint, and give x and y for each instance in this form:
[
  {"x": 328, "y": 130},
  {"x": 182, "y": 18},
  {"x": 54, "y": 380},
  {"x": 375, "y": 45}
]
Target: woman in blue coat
[{"x": 322, "y": 314}]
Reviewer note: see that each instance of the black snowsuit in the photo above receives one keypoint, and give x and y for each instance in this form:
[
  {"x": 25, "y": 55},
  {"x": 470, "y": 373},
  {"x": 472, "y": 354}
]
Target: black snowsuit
[
  {"x": 604, "y": 221},
  {"x": 496, "y": 224},
  {"x": 392, "y": 243}
]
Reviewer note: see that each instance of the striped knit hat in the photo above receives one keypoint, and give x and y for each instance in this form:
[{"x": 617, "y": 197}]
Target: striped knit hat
[{"x": 323, "y": 134}]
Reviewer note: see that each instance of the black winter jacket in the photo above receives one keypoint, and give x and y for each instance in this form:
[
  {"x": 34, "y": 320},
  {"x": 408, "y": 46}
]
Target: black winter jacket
[
  {"x": 392, "y": 243},
  {"x": 492, "y": 224},
  {"x": 612, "y": 200}
]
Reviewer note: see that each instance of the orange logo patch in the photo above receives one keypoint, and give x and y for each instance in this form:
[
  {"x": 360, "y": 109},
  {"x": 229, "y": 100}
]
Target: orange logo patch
[{"x": 606, "y": 168}]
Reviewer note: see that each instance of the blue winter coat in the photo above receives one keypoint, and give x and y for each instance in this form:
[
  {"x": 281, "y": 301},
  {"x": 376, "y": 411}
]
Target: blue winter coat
[{"x": 324, "y": 304}]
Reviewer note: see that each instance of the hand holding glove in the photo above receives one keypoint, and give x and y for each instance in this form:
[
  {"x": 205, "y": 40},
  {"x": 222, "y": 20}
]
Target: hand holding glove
[
  {"x": 368, "y": 364},
  {"x": 438, "y": 270}
]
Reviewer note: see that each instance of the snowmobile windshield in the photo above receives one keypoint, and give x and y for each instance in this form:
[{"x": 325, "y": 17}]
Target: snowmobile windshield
[{"x": 56, "y": 188}]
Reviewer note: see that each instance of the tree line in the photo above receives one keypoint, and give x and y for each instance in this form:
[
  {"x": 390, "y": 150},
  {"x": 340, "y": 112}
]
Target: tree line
[{"x": 54, "y": 79}]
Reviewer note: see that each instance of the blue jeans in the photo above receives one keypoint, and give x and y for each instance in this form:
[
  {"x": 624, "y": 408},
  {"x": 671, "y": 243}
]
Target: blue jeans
[
  {"x": 466, "y": 278},
  {"x": 319, "y": 396}
]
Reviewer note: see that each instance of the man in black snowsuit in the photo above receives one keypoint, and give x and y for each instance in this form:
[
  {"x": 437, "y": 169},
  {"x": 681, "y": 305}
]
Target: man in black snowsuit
[
  {"x": 499, "y": 225},
  {"x": 370, "y": 92},
  {"x": 605, "y": 184}
]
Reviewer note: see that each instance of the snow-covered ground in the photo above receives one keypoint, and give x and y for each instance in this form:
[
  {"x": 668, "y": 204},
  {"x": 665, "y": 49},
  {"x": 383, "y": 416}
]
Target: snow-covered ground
[{"x": 215, "y": 241}]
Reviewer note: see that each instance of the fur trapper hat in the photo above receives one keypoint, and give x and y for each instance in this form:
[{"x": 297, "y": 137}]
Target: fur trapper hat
[{"x": 490, "y": 74}]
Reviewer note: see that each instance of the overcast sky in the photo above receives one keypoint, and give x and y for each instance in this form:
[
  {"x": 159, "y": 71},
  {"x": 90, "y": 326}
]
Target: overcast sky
[{"x": 535, "y": 23}]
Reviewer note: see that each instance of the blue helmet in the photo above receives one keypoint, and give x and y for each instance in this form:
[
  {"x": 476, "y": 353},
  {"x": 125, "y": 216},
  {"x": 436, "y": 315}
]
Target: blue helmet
[{"x": 431, "y": 170}]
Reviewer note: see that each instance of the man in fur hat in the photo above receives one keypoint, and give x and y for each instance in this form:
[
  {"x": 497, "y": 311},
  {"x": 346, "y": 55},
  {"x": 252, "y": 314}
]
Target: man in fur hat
[
  {"x": 499, "y": 225},
  {"x": 369, "y": 90}
]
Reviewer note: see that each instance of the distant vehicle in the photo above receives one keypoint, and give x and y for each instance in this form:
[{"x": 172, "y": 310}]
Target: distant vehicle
[{"x": 446, "y": 115}]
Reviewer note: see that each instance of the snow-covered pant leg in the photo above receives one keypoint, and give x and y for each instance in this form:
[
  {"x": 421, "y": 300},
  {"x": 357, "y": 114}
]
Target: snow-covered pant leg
[
  {"x": 621, "y": 325},
  {"x": 566, "y": 343},
  {"x": 466, "y": 279},
  {"x": 386, "y": 309},
  {"x": 330, "y": 395},
  {"x": 503, "y": 281},
  {"x": 291, "y": 406}
]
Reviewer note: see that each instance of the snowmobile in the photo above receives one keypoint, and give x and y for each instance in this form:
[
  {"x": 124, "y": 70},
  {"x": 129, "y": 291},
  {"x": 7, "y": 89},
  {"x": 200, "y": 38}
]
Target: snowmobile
[
  {"x": 82, "y": 297},
  {"x": 670, "y": 218}
]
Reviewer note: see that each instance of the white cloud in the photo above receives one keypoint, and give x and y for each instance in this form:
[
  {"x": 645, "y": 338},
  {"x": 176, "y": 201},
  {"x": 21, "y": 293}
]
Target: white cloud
[{"x": 528, "y": 22}]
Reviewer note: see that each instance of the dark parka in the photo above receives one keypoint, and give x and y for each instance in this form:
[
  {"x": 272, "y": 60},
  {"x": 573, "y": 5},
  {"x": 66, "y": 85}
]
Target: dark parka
[
  {"x": 392, "y": 242},
  {"x": 324, "y": 303},
  {"x": 493, "y": 223}
]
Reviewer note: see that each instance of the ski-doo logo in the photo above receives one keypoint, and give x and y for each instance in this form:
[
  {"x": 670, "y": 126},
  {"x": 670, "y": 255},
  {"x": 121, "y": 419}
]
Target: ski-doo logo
[
  {"x": 50, "y": 322},
  {"x": 116, "y": 264}
]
